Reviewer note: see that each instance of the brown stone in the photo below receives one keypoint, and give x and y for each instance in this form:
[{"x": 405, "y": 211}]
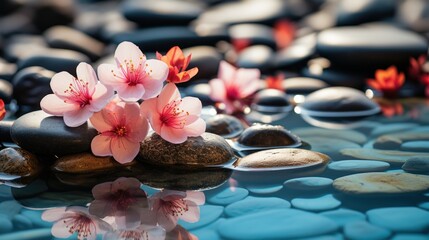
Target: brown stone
[
  {"x": 85, "y": 163},
  {"x": 285, "y": 157},
  {"x": 18, "y": 162},
  {"x": 224, "y": 125},
  {"x": 208, "y": 149},
  {"x": 267, "y": 136}
]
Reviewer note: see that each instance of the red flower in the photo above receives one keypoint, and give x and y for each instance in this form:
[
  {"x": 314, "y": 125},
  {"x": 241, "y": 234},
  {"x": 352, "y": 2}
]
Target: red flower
[
  {"x": 284, "y": 33},
  {"x": 387, "y": 81},
  {"x": 416, "y": 67},
  {"x": 177, "y": 64},
  {"x": 275, "y": 82},
  {"x": 2, "y": 110},
  {"x": 240, "y": 44}
]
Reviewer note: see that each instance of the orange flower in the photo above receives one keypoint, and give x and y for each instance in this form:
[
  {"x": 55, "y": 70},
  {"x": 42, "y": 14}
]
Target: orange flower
[
  {"x": 275, "y": 82},
  {"x": 240, "y": 44},
  {"x": 2, "y": 110},
  {"x": 387, "y": 81},
  {"x": 284, "y": 33},
  {"x": 416, "y": 67},
  {"x": 177, "y": 64}
]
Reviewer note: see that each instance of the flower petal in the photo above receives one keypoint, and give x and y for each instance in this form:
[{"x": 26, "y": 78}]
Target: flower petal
[
  {"x": 247, "y": 81},
  {"x": 173, "y": 135},
  {"x": 99, "y": 123},
  {"x": 130, "y": 93},
  {"x": 54, "y": 105},
  {"x": 218, "y": 90},
  {"x": 167, "y": 221},
  {"x": 152, "y": 88},
  {"x": 156, "y": 69},
  {"x": 192, "y": 105},
  {"x": 148, "y": 106},
  {"x": 109, "y": 74},
  {"x": 85, "y": 72},
  {"x": 77, "y": 117},
  {"x": 123, "y": 150},
  {"x": 168, "y": 94},
  {"x": 195, "y": 196},
  {"x": 196, "y": 128},
  {"x": 61, "y": 82},
  {"x": 226, "y": 72},
  {"x": 54, "y": 214},
  {"x": 101, "y": 97},
  {"x": 60, "y": 230},
  {"x": 193, "y": 213},
  {"x": 129, "y": 52},
  {"x": 100, "y": 145}
]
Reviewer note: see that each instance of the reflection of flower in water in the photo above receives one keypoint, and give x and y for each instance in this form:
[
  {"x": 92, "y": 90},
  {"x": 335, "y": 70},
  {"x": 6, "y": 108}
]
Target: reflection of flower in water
[
  {"x": 170, "y": 205},
  {"x": 391, "y": 108},
  {"x": 74, "y": 219},
  {"x": 120, "y": 211}
]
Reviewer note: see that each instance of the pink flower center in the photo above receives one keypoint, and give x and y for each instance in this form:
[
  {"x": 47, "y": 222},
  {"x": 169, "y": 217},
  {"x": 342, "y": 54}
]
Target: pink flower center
[
  {"x": 132, "y": 73},
  {"x": 173, "y": 116},
  {"x": 121, "y": 131},
  {"x": 122, "y": 200},
  {"x": 232, "y": 93},
  {"x": 128, "y": 234},
  {"x": 80, "y": 224},
  {"x": 175, "y": 207},
  {"x": 78, "y": 93}
]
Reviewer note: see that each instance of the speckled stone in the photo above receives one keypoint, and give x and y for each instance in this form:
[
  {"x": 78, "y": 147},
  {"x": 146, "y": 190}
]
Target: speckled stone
[
  {"x": 395, "y": 140},
  {"x": 308, "y": 183},
  {"x": 208, "y": 149},
  {"x": 85, "y": 163},
  {"x": 285, "y": 157},
  {"x": 17, "y": 162},
  {"x": 224, "y": 125},
  {"x": 358, "y": 166},
  {"x": 382, "y": 183},
  {"x": 267, "y": 136}
]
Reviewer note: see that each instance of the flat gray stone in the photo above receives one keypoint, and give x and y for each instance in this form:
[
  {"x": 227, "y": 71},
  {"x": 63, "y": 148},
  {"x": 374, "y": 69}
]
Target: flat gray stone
[{"x": 400, "y": 219}]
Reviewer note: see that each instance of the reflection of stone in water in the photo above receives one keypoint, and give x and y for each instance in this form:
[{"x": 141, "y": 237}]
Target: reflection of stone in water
[{"x": 224, "y": 125}]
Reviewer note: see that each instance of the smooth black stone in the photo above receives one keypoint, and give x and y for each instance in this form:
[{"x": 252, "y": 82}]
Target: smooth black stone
[
  {"x": 258, "y": 56},
  {"x": 30, "y": 85},
  {"x": 256, "y": 34},
  {"x": 6, "y": 90},
  {"x": 323, "y": 19},
  {"x": 16, "y": 23},
  {"x": 201, "y": 91},
  {"x": 56, "y": 60},
  {"x": 49, "y": 13},
  {"x": 43, "y": 134},
  {"x": 163, "y": 38},
  {"x": 253, "y": 11},
  {"x": 7, "y": 70},
  {"x": 338, "y": 99},
  {"x": 17, "y": 163},
  {"x": 297, "y": 53},
  {"x": 150, "y": 13},
  {"x": 352, "y": 12},
  {"x": 207, "y": 60},
  {"x": 115, "y": 24},
  {"x": 303, "y": 85},
  {"x": 271, "y": 100},
  {"x": 419, "y": 19},
  {"x": 224, "y": 125},
  {"x": 23, "y": 45},
  {"x": 9, "y": 6},
  {"x": 5, "y": 127},
  {"x": 370, "y": 47},
  {"x": 68, "y": 38},
  {"x": 266, "y": 136}
]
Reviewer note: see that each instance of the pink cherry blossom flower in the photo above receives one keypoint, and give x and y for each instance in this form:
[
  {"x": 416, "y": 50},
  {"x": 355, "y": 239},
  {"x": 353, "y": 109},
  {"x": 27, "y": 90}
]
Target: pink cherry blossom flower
[
  {"x": 143, "y": 232},
  {"x": 75, "y": 220},
  {"x": 133, "y": 77},
  {"x": 76, "y": 98},
  {"x": 121, "y": 128},
  {"x": 234, "y": 85},
  {"x": 173, "y": 118},
  {"x": 2, "y": 110},
  {"x": 170, "y": 205},
  {"x": 122, "y": 199},
  {"x": 179, "y": 233}
]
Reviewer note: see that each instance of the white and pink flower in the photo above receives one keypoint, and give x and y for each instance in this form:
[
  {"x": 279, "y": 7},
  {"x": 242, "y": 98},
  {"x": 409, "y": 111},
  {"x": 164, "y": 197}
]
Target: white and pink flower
[
  {"x": 133, "y": 77},
  {"x": 76, "y": 99}
]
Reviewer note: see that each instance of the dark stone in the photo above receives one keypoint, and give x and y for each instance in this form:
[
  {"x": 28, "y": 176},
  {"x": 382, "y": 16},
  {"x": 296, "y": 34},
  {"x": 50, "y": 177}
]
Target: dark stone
[
  {"x": 258, "y": 56},
  {"x": 297, "y": 54},
  {"x": 16, "y": 23},
  {"x": 5, "y": 127},
  {"x": 56, "y": 60},
  {"x": 419, "y": 19},
  {"x": 201, "y": 91},
  {"x": 163, "y": 38},
  {"x": 224, "y": 125},
  {"x": 207, "y": 60},
  {"x": 370, "y": 47},
  {"x": 267, "y": 136},
  {"x": 208, "y": 149},
  {"x": 6, "y": 90},
  {"x": 352, "y": 12},
  {"x": 115, "y": 24},
  {"x": 48, "y": 13},
  {"x": 30, "y": 85},
  {"x": 417, "y": 165},
  {"x": 271, "y": 100},
  {"x": 256, "y": 34},
  {"x": 338, "y": 102},
  {"x": 67, "y": 38},
  {"x": 82, "y": 163},
  {"x": 150, "y": 13},
  {"x": 17, "y": 163},
  {"x": 41, "y": 133},
  {"x": 7, "y": 70},
  {"x": 22, "y": 46},
  {"x": 303, "y": 85},
  {"x": 9, "y": 6}
]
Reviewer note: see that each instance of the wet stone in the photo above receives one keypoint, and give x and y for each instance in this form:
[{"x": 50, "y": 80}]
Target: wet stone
[
  {"x": 358, "y": 166},
  {"x": 41, "y": 133},
  {"x": 382, "y": 183},
  {"x": 333, "y": 75},
  {"x": 391, "y": 156},
  {"x": 367, "y": 47},
  {"x": 257, "y": 56},
  {"x": 152, "y": 13},
  {"x": 308, "y": 183},
  {"x": 392, "y": 128},
  {"x": 283, "y": 158},
  {"x": 344, "y": 216},
  {"x": 364, "y": 11},
  {"x": 338, "y": 102},
  {"x": 349, "y": 135},
  {"x": 417, "y": 165},
  {"x": 297, "y": 54},
  {"x": 416, "y": 146},
  {"x": 201, "y": 91},
  {"x": 323, "y": 203},
  {"x": 267, "y": 136},
  {"x": 271, "y": 100},
  {"x": 16, "y": 162},
  {"x": 400, "y": 219},
  {"x": 256, "y": 34},
  {"x": 85, "y": 163},
  {"x": 410, "y": 236},
  {"x": 49, "y": 13},
  {"x": 255, "y": 204},
  {"x": 207, "y": 60},
  {"x": 21, "y": 46},
  {"x": 362, "y": 230},
  {"x": 30, "y": 85},
  {"x": 329, "y": 146},
  {"x": 6, "y": 90},
  {"x": 208, "y": 149},
  {"x": 303, "y": 85},
  {"x": 224, "y": 125},
  {"x": 69, "y": 38},
  {"x": 7, "y": 70},
  {"x": 208, "y": 213},
  {"x": 226, "y": 196}
]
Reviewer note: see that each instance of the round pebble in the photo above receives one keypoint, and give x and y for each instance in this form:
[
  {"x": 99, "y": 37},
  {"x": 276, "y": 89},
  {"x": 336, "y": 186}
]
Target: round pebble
[
  {"x": 5, "y": 223},
  {"x": 344, "y": 216},
  {"x": 410, "y": 236},
  {"x": 358, "y": 166},
  {"x": 264, "y": 189},
  {"x": 390, "y": 156},
  {"x": 255, "y": 204},
  {"x": 308, "y": 183},
  {"x": 318, "y": 204},
  {"x": 224, "y": 125},
  {"x": 400, "y": 219},
  {"x": 417, "y": 165},
  {"x": 349, "y": 135},
  {"x": 208, "y": 214},
  {"x": 264, "y": 135},
  {"x": 361, "y": 230},
  {"x": 416, "y": 146},
  {"x": 226, "y": 196},
  {"x": 21, "y": 222}
]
